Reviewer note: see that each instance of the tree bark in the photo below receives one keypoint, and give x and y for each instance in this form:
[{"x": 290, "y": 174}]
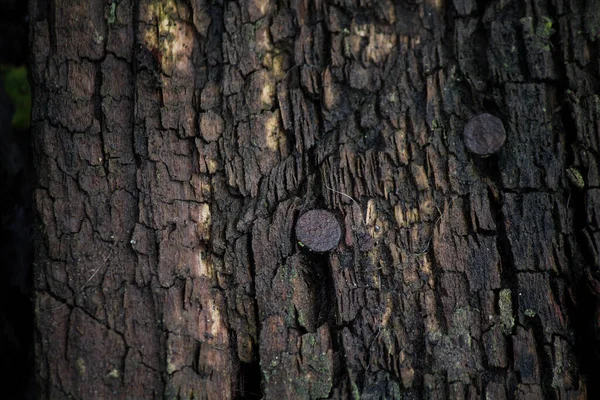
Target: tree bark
[{"x": 176, "y": 143}]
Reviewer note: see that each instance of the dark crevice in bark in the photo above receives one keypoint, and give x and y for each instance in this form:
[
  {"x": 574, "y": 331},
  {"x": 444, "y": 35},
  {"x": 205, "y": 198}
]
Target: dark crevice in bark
[
  {"x": 438, "y": 292},
  {"x": 97, "y": 97},
  {"x": 520, "y": 37},
  {"x": 508, "y": 274},
  {"x": 324, "y": 290},
  {"x": 250, "y": 374},
  {"x": 419, "y": 349},
  {"x": 195, "y": 361},
  {"x": 301, "y": 329},
  {"x": 340, "y": 367},
  {"x": 543, "y": 350},
  {"x": 585, "y": 307},
  {"x": 587, "y": 303},
  {"x": 51, "y": 7},
  {"x": 250, "y": 381},
  {"x": 484, "y": 4},
  {"x": 98, "y": 113},
  {"x": 123, "y": 360},
  {"x": 135, "y": 68}
]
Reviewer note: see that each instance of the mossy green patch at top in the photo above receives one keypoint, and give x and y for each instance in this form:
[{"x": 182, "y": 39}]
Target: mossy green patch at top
[
  {"x": 111, "y": 12},
  {"x": 16, "y": 85},
  {"x": 575, "y": 178},
  {"x": 545, "y": 29},
  {"x": 355, "y": 391},
  {"x": 529, "y": 313}
]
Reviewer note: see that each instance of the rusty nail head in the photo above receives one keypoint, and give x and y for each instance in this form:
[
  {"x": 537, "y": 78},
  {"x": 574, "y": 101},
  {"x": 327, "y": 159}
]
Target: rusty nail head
[
  {"x": 318, "y": 230},
  {"x": 484, "y": 134}
]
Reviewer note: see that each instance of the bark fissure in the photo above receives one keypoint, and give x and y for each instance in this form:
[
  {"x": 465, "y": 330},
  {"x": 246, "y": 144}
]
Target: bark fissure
[{"x": 251, "y": 371}]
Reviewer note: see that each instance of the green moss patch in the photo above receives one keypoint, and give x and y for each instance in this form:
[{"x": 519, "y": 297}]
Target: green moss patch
[{"x": 16, "y": 85}]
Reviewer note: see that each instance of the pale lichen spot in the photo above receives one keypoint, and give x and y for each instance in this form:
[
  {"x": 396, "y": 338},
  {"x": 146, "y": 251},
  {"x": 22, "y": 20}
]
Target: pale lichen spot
[
  {"x": 267, "y": 61},
  {"x": 150, "y": 14},
  {"x": 371, "y": 213},
  {"x": 401, "y": 147},
  {"x": 273, "y": 132},
  {"x": 278, "y": 66},
  {"x": 267, "y": 94},
  {"x": 387, "y": 314},
  {"x": 379, "y": 47},
  {"x": 420, "y": 176},
  {"x": 180, "y": 54},
  {"x": 171, "y": 366},
  {"x": 263, "y": 39},
  {"x": 203, "y": 219},
  {"x": 399, "y": 216},
  {"x": 507, "y": 320},
  {"x": 376, "y": 226},
  {"x": 263, "y": 5},
  {"x": 98, "y": 38},
  {"x": 331, "y": 90},
  {"x": 114, "y": 373},
  {"x": 405, "y": 218},
  {"x": 427, "y": 208},
  {"x": 212, "y": 165},
  {"x": 81, "y": 368},
  {"x": 149, "y": 38},
  {"x": 260, "y": 92},
  {"x": 437, "y": 4},
  {"x": 210, "y": 323},
  {"x": 361, "y": 30},
  {"x": 426, "y": 271},
  {"x": 170, "y": 40},
  {"x": 259, "y": 8},
  {"x": 204, "y": 266},
  {"x": 353, "y": 46},
  {"x": 211, "y": 126}
]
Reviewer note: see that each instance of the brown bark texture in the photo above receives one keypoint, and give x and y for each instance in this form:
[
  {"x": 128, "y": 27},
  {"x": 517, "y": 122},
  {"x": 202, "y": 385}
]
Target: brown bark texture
[{"x": 177, "y": 141}]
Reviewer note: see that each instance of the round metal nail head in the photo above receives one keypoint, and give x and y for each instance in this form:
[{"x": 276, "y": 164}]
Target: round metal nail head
[
  {"x": 484, "y": 134},
  {"x": 318, "y": 230}
]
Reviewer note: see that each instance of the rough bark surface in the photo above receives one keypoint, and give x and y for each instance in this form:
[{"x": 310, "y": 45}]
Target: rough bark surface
[{"x": 176, "y": 143}]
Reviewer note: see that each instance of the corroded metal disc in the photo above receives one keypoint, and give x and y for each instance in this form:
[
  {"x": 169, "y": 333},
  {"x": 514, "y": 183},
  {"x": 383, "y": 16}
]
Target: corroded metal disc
[
  {"x": 318, "y": 230},
  {"x": 484, "y": 134}
]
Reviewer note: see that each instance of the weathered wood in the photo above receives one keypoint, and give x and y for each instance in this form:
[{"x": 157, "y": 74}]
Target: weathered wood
[{"x": 177, "y": 142}]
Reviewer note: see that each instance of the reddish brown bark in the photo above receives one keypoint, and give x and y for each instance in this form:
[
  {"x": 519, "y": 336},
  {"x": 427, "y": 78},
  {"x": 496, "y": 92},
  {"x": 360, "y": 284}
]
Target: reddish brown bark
[{"x": 177, "y": 142}]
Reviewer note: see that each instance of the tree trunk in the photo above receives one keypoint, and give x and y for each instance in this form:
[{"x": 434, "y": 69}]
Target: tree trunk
[{"x": 177, "y": 142}]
